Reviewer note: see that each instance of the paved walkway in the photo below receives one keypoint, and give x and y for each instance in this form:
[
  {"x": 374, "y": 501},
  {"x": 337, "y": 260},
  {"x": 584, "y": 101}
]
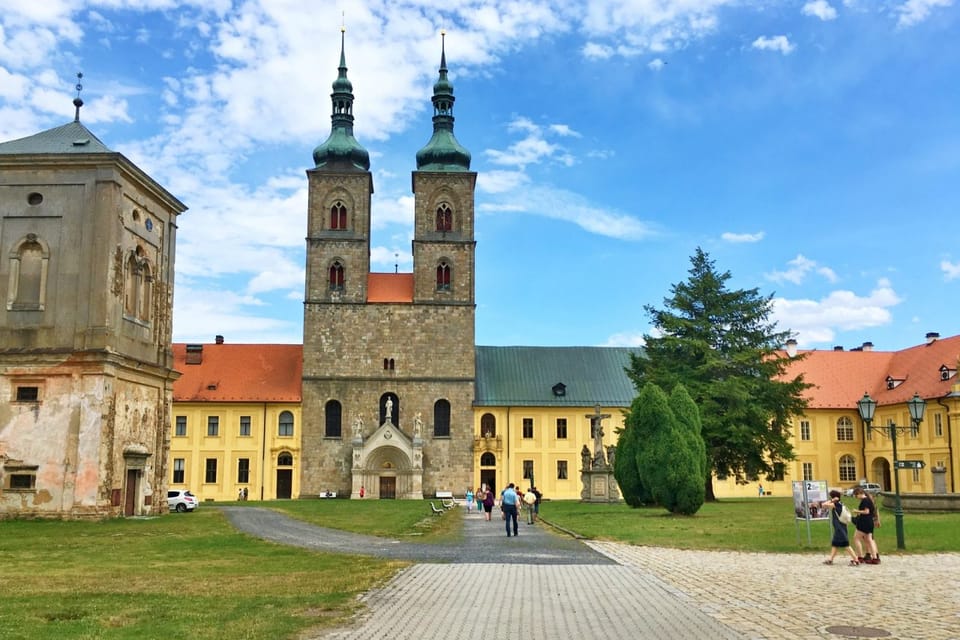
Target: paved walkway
[{"x": 542, "y": 585}]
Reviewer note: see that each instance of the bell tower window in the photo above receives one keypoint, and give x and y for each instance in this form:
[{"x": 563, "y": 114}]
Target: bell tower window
[
  {"x": 336, "y": 276},
  {"x": 444, "y": 218},
  {"x": 443, "y": 277},
  {"x": 338, "y": 216}
]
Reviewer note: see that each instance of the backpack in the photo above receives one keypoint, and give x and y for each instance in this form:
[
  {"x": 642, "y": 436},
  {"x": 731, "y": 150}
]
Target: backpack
[{"x": 845, "y": 517}]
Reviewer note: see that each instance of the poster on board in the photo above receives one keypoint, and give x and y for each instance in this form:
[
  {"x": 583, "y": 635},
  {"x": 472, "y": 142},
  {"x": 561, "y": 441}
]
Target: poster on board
[{"x": 806, "y": 492}]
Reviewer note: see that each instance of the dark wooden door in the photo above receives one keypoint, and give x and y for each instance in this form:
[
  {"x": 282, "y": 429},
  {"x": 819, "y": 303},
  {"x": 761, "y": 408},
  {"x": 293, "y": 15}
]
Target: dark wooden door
[
  {"x": 130, "y": 503},
  {"x": 284, "y": 484},
  {"x": 388, "y": 488}
]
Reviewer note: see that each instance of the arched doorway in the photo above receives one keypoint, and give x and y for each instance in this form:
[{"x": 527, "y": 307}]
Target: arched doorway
[
  {"x": 880, "y": 473},
  {"x": 488, "y": 471},
  {"x": 284, "y": 476}
]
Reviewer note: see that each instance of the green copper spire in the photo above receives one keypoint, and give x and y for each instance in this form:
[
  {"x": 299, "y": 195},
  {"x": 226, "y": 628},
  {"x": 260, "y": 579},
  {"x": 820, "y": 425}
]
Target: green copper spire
[
  {"x": 341, "y": 151},
  {"x": 443, "y": 152}
]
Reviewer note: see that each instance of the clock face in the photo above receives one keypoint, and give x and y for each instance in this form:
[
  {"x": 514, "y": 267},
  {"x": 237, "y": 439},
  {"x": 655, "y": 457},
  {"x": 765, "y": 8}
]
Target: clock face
[{"x": 149, "y": 224}]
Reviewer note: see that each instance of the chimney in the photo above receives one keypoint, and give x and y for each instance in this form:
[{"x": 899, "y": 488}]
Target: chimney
[
  {"x": 219, "y": 339},
  {"x": 867, "y": 346},
  {"x": 791, "y": 348},
  {"x": 838, "y": 347},
  {"x": 932, "y": 337},
  {"x": 194, "y": 354}
]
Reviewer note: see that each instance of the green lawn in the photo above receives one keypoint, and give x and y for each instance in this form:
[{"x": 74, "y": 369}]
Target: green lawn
[
  {"x": 191, "y": 575},
  {"x": 747, "y": 524}
]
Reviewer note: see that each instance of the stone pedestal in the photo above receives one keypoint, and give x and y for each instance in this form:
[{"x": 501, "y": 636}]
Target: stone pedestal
[{"x": 599, "y": 485}]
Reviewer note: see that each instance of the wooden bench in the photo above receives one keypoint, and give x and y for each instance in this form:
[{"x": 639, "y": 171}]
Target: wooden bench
[
  {"x": 436, "y": 512},
  {"x": 327, "y": 494}
]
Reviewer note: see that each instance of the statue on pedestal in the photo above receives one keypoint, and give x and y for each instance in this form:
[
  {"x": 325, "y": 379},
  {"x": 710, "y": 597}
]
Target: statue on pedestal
[
  {"x": 417, "y": 425},
  {"x": 358, "y": 427}
]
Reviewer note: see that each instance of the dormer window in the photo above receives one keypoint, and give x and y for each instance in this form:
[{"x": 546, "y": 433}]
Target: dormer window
[
  {"x": 559, "y": 390},
  {"x": 946, "y": 372},
  {"x": 893, "y": 383}
]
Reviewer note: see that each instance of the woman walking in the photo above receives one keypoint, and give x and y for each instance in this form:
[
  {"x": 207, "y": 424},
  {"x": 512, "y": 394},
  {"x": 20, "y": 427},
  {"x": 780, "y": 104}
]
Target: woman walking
[
  {"x": 864, "y": 519},
  {"x": 841, "y": 538}
]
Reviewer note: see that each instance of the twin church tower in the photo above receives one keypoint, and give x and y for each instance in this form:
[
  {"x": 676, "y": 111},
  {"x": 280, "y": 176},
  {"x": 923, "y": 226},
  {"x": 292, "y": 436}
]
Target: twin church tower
[{"x": 388, "y": 358}]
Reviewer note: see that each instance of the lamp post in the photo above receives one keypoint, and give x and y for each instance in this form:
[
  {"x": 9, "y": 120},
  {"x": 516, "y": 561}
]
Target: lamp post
[{"x": 916, "y": 405}]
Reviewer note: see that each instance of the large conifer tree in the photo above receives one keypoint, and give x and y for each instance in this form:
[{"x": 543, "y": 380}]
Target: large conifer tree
[{"x": 723, "y": 347}]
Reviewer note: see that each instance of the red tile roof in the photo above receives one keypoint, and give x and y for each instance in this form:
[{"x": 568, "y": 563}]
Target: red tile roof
[
  {"x": 390, "y": 287},
  {"x": 239, "y": 373},
  {"x": 841, "y": 377}
]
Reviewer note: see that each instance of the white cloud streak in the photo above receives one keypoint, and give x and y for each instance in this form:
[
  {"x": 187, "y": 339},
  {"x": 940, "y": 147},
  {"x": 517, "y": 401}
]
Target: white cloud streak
[
  {"x": 775, "y": 43},
  {"x": 820, "y": 9}
]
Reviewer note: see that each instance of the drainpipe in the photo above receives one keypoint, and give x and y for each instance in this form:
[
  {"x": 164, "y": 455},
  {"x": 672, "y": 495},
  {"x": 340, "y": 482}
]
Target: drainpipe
[
  {"x": 949, "y": 441},
  {"x": 506, "y": 464},
  {"x": 263, "y": 451}
]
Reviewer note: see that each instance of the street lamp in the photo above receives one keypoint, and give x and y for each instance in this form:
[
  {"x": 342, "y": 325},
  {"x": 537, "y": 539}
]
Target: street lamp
[{"x": 917, "y": 405}]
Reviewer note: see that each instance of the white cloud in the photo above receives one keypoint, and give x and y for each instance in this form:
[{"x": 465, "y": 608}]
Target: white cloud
[
  {"x": 534, "y": 146},
  {"x": 625, "y": 339},
  {"x": 798, "y": 269},
  {"x": 915, "y": 11},
  {"x": 951, "y": 270},
  {"x": 820, "y": 9},
  {"x": 776, "y": 43},
  {"x": 500, "y": 181},
  {"x": 656, "y": 64},
  {"x": 592, "y": 50},
  {"x": 742, "y": 237},
  {"x": 817, "y": 321}
]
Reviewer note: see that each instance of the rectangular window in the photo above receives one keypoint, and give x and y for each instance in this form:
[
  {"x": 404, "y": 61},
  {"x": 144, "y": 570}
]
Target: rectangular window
[
  {"x": 561, "y": 428},
  {"x": 213, "y": 426},
  {"x": 528, "y": 469},
  {"x": 28, "y": 394},
  {"x": 804, "y": 429},
  {"x": 244, "y": 425},
  {"x": 23, "y": 481},
  {"x": 211, "y": 474},
  {"x": 243, "y": 470},
  {"x": 528, "y": 427},
  {"x": 808, "y": 471},
  {"x": 561, "y": 469},
  {"x": 938, "y": 425},
  {"x": 181, "y": 429},
  {"x": 178, "y": 470},
  {"x": 779, "y": 471}
]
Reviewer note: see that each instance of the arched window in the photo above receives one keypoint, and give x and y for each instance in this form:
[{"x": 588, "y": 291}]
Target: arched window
[
  {"x": 441, "y": 419},
  {"x": 338, "y": 216},
  {"x": 26, "y": 287},
  {"x": 333, "y": 414},
  {"x": 488, "y": 425},
  {"x": 444, "y": 218},
  {"x": 845, "y": 429},
  {"x": 146, "y": 281},
  {"x": 848, "y": 469},
  {"x": 336, "y": 276},
  {"x": 131, "y": 286},
  {"x": 390, "y": 409},
  {"x": 443, "y": 277},
  {"x": 488, "y": 460},
  {"x": 285, "y": 459},
  {"x": 285, "y": 424}
]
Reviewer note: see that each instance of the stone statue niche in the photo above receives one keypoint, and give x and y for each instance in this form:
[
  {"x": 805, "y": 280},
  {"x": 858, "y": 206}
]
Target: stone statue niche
[{"x": 596, "y": 473}]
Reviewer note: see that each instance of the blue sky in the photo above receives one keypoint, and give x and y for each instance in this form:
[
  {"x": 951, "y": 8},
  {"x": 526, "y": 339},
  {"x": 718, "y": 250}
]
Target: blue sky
[{"x": 812, "y": 148}]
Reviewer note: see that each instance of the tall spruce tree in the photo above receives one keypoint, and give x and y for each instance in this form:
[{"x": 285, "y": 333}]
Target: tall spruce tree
[{"x": 723, "y": 347}]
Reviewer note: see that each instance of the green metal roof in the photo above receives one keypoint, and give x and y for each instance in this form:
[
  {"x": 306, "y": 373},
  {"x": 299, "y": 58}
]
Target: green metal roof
[
  {"x": 72, "y": 137},
  {"x": 526, "y": 376}
]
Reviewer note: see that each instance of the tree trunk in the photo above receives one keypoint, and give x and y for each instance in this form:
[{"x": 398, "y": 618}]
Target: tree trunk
[{"x": 708, "y": 492}]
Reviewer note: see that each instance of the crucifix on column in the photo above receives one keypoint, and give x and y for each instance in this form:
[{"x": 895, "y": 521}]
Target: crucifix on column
[{"x": 596, "y": 432}]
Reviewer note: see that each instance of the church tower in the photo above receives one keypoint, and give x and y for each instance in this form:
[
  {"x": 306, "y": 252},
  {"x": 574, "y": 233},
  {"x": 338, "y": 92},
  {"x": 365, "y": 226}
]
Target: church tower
[
  {"x": 86, "y": 364},
  {"x": 388, "y": 360}
]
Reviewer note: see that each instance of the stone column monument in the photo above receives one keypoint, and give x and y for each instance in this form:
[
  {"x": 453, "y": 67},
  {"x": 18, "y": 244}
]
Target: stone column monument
[{"x": 596, "y": 474}]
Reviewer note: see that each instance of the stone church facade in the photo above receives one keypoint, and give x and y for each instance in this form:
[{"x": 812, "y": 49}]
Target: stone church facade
[
  {"x": 87, "y": 245},
  {"x": 388, "y": 358}
]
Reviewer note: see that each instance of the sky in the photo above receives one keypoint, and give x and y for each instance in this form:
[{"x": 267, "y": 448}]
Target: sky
[{"x": 810, "y": 147}]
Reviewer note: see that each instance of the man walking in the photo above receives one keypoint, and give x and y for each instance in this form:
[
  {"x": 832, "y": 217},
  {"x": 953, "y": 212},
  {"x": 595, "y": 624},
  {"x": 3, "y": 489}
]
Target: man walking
[{"x": 508, "y": 502}]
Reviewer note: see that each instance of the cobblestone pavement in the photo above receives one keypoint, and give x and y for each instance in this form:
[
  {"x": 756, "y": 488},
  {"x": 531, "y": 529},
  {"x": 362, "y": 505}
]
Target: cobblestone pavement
[
  {"x": 795, "y": 596},
  {"x": 541, "y": 585}
]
